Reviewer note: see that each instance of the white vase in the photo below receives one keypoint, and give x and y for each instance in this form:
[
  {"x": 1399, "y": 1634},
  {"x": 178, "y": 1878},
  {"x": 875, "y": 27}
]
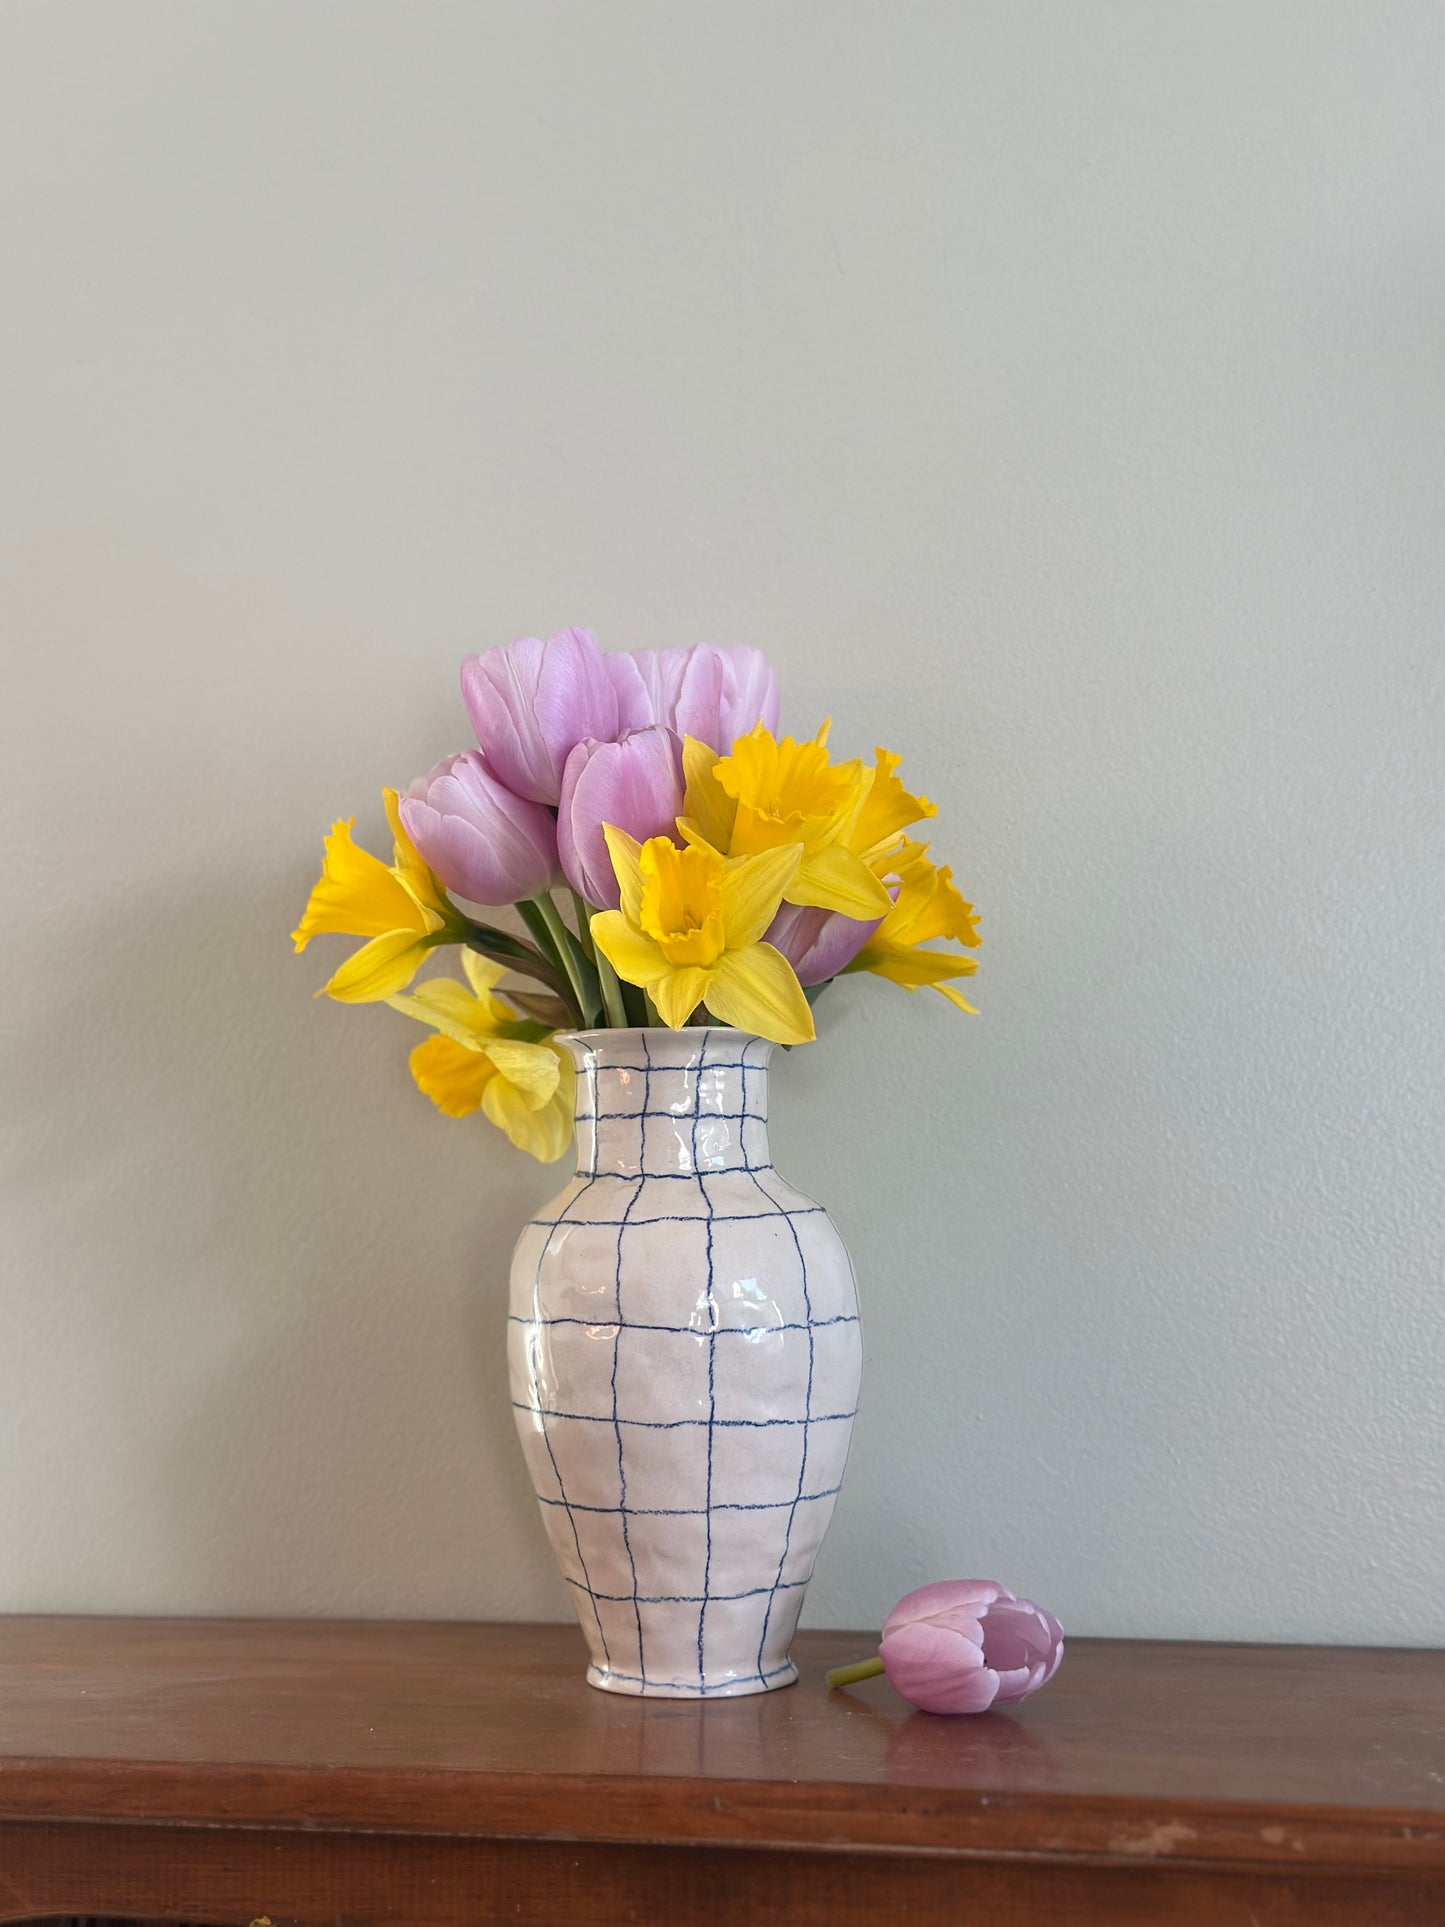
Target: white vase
[{"x": 684, "y": 1353}]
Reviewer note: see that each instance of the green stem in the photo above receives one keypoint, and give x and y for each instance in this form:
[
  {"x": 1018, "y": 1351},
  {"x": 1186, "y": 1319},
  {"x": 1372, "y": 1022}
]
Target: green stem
[
  {"x": 530, "y": 911},
  {"x": 560, "y": 935},
  {"x": 651, "y": 1008},
  {"x": 584, "y": 926},
  {"x": 611, "y": 994},
  {"x": 850, "y": 1675}
]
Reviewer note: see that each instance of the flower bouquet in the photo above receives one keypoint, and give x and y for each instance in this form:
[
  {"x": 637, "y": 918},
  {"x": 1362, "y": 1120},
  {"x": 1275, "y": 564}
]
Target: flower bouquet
[{"x": 684, "y": 1329}]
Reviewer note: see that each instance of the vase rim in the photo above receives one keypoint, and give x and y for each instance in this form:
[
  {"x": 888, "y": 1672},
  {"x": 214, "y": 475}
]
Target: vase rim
[{"x": 655, "y": 1030}]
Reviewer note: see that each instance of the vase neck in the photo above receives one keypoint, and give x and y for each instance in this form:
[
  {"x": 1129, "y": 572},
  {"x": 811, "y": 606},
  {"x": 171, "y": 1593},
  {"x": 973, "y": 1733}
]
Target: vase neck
[{"x": 670, "y": 1103}]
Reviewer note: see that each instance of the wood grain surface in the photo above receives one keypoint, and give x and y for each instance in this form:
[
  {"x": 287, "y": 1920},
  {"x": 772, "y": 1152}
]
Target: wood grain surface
[{"x": 221, "y": 1771}]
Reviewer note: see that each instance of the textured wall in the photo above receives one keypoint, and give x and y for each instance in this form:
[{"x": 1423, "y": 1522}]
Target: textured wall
[{"x": 1057, "y": 392}]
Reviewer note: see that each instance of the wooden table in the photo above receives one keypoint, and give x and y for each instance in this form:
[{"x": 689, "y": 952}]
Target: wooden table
[{"x": 433, "y": 1775}]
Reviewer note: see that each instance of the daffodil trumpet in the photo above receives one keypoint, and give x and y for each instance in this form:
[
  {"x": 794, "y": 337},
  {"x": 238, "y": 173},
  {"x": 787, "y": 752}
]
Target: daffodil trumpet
[{"x": 715, "y": 872}]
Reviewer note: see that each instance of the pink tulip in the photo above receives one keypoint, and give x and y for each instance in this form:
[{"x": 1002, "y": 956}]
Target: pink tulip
[
  {"x": 716, "y": 695},
  {"x": 963, "y": 1646},
  {"x": 532, "y": 702},
  {"x": 634, "y": 784},
  {"x": 818, "y": 943},
  {"x": 485, "y": 844}
]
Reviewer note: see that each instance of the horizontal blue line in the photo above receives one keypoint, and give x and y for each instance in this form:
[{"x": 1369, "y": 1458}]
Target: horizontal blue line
[
  {"x": 688, "y": 1689},
  {"x": 687, "y": 1331},
  {"x": 676, "y": 1424},
  {"x": 679, "y": 1217},
  {"x": 691, "y": 1511},
  {"x": 684, "y": 1598},
  {"x": 671, "y": 1177}
]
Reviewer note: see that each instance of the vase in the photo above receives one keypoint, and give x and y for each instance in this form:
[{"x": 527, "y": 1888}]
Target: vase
[{"x": 684, "y": 1356}]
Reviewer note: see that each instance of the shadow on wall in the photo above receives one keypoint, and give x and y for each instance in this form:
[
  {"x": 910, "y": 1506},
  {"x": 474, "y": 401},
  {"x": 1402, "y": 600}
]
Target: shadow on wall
[{"x": 279, "y": 1280}]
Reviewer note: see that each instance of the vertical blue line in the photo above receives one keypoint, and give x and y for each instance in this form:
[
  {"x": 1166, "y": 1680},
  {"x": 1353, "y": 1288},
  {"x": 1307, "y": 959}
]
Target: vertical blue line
[
  {"x": 711, "y": 1363},
  {"x": 807, "y": 1417},
  {"x": 534, "y": 1341},
  {"x": 616, "y": 1351}
]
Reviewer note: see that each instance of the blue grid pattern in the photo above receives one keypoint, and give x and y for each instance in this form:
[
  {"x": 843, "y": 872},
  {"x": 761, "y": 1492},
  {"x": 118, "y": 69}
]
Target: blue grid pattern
[{"x": 696, "y": 1119}]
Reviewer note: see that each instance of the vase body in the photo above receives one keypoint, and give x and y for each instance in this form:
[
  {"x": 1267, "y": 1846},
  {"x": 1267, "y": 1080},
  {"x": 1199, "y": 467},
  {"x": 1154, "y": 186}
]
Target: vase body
[{"x": 684, "y": 1356}]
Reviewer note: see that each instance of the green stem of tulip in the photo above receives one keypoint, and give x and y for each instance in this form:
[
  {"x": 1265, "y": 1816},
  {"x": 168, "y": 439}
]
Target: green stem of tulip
[
  {"x": 611, "y": 994},
  {"x": 549, "y": 934},
  {"x": 584, "y": 925},
  {"x": 850, "y": 1675}
]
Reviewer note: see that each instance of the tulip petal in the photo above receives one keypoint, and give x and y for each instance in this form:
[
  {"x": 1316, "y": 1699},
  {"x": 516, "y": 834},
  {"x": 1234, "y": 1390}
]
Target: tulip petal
[
  {"x": 485, "y": 843},
  {"x": 635, "y": 784},
  {"x": 939, "y": 1671},
  {"x": 755, "y": 989},
  {"x": 818, "y": 943},
  {"x": 576, "y": 697},
  {"x": 956, "y": 1600}
]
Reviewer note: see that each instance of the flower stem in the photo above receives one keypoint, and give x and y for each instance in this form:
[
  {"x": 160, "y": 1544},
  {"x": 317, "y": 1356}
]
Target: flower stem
[
  {"x": 850, "y": 1675},
  {"x": 584, "y": 925},
  {"x": 559, "y": 933},
  {"x": 611, "y": 994}
]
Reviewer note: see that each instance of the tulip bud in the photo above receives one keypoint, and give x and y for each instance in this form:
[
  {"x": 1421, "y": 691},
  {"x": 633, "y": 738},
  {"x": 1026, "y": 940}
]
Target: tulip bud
[
  {"x": 818, "y": 943},
  {"x": 485, "y": 843},
  {"x": 963, "y": 1646},
  {"x": 635, "y": 785},
  {"x": 713, "y": 694},
  {"x": 532, "y": 702}
]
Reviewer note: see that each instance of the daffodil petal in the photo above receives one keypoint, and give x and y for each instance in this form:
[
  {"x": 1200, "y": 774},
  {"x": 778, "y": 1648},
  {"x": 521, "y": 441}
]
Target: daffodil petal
[
  {"x": 956, "y": 997},
  {"x": 453, "y": 1077},
  {"x": 678, "y": 994},
  {"x": 379, "y": 969},
  {"x": 757, "y": 990},
  {"x": 450, "y": 1008},
  {"x": 635, "y": 958},
  {"x": 531, "y": 1069},
  {"x": 545, "y": 1132},
  {"x": 481, "y": 972},
  {"x": 410, "y": 867},
  {"x": 356, "y": 896},
  {"x": 626, "y": 854},
  {"x": 912, "y": 968},
  {"x": 835, "y": 879},
  {"x": 708, "y": 808},
  {"x": 752, "y": 888}
]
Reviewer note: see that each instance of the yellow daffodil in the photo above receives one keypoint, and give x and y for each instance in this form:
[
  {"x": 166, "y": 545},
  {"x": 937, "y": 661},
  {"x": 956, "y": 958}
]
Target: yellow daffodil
[
  {"x": 888, "y": 810},
  {"x": 689, "y": 932},
  {"x": 401, "y": 907},
  {"x": 486, "y": 1058},
  {"x": 928, "y": 906},
  {"x": 769, "y": 795}
]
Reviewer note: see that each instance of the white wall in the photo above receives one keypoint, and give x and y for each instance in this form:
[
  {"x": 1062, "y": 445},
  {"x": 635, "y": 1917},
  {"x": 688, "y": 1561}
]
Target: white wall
[{"x": 1056, "y": 391}]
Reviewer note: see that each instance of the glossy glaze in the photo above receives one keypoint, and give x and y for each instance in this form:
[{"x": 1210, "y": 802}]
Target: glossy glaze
[{"x": 685, "y": 1356}]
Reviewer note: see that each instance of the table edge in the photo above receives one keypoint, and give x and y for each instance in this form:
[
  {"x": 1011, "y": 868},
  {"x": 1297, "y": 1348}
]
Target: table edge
[{"x": 824, "y": 1816}]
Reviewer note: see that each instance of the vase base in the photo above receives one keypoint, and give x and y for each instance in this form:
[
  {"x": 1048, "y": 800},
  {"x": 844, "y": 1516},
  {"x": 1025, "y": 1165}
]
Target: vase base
[{"x": 736, "y": 1686}]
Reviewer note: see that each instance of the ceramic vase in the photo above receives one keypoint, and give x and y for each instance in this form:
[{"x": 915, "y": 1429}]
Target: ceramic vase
[{"x": 684, "y": 1355}]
